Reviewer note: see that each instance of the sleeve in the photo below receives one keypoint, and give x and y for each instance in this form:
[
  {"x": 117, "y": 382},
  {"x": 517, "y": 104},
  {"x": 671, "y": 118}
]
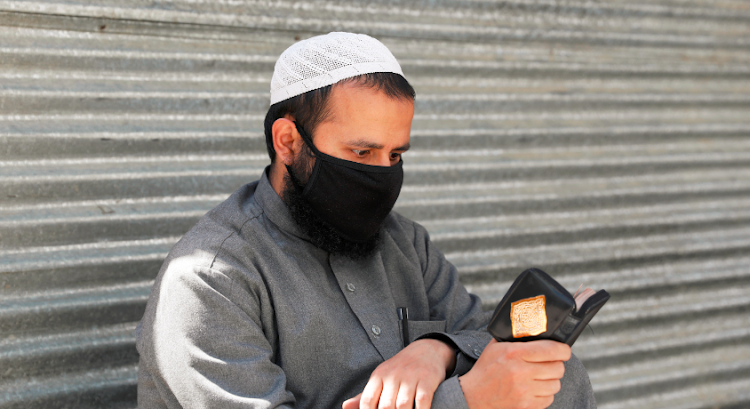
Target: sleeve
[
  {"x": 466, "y": 321},
  {"x": 202, "y": 344},
  {"x": 466, "y": 329}
]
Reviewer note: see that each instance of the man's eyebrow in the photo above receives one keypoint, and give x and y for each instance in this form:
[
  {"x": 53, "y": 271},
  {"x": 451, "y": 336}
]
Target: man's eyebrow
[
  {"x": 361, "y": 143},
  {"x": 403, "y": 148}
]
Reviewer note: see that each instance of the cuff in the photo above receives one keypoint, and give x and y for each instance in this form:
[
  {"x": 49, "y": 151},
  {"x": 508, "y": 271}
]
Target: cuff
[
  {"x": 449, "y": 395},
  {"x": 469, "y": 343}
]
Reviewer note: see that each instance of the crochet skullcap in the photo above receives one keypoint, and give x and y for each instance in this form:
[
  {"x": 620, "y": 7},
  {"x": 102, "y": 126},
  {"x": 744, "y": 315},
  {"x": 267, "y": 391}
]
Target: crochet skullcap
[{"x": 327, "y": 59}]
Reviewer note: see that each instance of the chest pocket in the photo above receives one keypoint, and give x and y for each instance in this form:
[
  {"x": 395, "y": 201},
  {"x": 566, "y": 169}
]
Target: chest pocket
[{"x": 419, "y": 328}]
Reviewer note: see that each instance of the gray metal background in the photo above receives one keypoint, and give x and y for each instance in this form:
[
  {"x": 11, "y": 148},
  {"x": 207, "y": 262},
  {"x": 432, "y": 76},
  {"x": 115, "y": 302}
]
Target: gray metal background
[{"x": 606, "y": 143}]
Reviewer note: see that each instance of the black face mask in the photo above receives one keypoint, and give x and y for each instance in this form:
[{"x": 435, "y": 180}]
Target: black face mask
[{"x": 353, "y": 198}]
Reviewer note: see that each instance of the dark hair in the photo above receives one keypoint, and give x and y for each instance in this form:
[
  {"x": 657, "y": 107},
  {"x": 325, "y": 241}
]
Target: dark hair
[{"x": 311, "y": 108}]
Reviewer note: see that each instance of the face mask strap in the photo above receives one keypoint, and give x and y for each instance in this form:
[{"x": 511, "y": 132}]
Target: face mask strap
[
  {"x": 295, "y": 180},
  {"x": 307, "y": 139},
  {"x": 343, "y": 162}
]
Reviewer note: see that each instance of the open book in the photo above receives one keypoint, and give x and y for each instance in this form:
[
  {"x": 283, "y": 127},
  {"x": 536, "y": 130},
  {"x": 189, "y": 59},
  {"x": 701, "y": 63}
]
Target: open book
[{"x": 538, "y": 307}]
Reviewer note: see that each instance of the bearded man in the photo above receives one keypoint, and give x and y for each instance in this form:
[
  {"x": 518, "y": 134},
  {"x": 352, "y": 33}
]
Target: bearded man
[{"x": 288, "y": 294}]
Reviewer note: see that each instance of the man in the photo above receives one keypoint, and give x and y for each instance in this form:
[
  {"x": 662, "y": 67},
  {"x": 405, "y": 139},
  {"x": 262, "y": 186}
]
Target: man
[{"x": 288, "y": 293}]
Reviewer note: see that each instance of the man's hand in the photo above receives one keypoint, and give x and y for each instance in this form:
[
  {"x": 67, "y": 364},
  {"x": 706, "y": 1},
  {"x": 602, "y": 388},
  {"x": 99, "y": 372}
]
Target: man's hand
[
  {"x": 411, "y": 377},
  {"x": 516, "y": 375}
]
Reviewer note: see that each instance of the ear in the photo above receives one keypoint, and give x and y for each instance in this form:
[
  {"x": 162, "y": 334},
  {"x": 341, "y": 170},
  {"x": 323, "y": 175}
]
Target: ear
[{"x": 285, "y": 139}]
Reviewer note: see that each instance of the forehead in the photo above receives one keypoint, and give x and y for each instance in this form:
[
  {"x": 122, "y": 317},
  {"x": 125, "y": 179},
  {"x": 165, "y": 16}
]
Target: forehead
[
  {"x": 362, "y": 116},
  {"x": 352, "y": 102}
]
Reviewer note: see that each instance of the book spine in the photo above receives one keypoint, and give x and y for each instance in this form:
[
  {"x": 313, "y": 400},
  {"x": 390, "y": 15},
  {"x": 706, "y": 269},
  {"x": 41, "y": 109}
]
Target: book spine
[{"x": 573, "y": 336}]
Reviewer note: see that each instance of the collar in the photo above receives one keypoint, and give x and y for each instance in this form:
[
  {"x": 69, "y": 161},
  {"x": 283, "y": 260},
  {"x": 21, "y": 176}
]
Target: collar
[{"x": 274, "y": 207}]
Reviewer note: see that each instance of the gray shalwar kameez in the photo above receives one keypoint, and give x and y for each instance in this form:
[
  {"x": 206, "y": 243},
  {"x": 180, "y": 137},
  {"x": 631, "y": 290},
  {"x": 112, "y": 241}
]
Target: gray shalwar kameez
[{"x": 246, "y": 313}]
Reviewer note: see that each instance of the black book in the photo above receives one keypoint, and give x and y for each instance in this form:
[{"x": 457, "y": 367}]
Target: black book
[{"x": 538, "y": 307}]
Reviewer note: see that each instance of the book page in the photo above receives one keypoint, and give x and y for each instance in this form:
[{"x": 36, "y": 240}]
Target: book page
[{"x": 582, "y": 297}]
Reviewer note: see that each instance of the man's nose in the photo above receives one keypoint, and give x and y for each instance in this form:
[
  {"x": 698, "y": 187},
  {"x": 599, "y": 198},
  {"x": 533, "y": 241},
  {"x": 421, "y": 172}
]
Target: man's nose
[{"x": 383, "y": 160}]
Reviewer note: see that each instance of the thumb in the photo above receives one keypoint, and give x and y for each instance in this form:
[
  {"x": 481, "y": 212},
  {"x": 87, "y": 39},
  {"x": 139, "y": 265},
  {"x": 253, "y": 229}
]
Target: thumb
[{"x": 352, "y": 403}]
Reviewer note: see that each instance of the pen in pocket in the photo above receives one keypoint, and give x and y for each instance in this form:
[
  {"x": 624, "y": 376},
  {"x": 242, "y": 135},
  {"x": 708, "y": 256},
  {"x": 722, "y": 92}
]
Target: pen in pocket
[{"x": 403, "y": 316}]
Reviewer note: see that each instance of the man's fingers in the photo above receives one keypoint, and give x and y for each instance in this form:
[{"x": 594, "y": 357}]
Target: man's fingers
[
  {"x": 388, "y": 395},
  {"x": 371, "y": 395},
  {"x": 405, "y": 397},
  {"x": 423, "y": 396},
  {"x": 352, "y": 403},
  {"x": 546, "y": 388},
  {"x": 546, "y": 371},
  {"x": 543, "y": 351},
  {"x": 544, "y": 401}
]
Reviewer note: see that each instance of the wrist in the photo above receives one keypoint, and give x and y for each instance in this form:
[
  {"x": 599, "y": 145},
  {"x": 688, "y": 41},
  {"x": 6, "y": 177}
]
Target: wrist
[
  {"x": 465, "y": 389},
  {"x": 444, "y": 353},
  {"x": 449, "y": 355},
  {"x": 451, "y": 367}
]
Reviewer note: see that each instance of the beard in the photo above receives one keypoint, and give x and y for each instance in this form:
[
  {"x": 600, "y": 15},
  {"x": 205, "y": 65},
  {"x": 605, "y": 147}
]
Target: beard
[{"x": 320, "y": 232}]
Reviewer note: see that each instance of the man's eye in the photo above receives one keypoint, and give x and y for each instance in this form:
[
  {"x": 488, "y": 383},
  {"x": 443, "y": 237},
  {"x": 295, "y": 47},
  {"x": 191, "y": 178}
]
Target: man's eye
[
  {"x": 395, "y": 156},
  {"x": 360, "y": 153}
]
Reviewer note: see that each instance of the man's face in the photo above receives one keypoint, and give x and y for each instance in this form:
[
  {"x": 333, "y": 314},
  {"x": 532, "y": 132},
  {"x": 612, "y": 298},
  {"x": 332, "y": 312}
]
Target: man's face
[{"x": 365, "y": 126}]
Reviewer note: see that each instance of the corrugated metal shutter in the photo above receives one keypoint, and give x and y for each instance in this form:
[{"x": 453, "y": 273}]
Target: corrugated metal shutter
[{"x": 606, "y": 143}]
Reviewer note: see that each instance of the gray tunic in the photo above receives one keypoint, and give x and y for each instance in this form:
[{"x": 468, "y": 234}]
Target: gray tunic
[{"x": 245, "y": 312}]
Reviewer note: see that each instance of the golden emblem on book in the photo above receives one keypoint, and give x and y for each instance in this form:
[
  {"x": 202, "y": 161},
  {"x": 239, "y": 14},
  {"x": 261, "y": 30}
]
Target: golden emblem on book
[{"x": 528, "y": 317}]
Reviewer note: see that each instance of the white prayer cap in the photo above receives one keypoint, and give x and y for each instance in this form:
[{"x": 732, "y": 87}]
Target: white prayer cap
[{"x": 327, "y": 59}]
